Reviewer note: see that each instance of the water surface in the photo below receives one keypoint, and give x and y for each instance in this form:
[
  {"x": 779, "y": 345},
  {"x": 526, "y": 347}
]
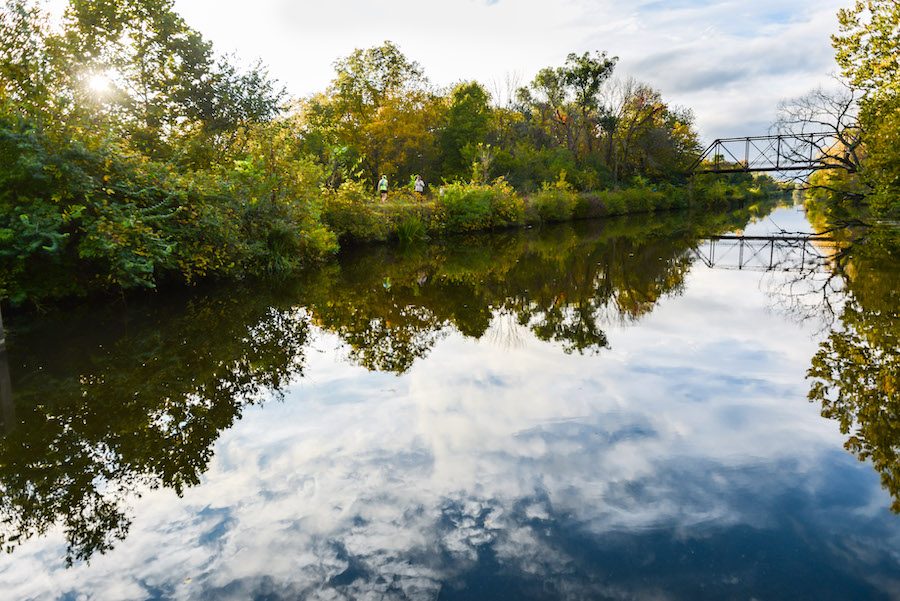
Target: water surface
[{"x": 585, "y": 411}]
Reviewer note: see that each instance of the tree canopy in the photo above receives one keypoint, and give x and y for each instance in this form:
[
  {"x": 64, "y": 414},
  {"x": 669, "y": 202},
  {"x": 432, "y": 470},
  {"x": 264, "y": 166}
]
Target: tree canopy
[{"x": 868, "y": 52}]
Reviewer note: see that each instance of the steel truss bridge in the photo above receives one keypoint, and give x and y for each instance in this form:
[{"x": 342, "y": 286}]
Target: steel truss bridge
[
  {"x": 801, "y": 254},
  {"x": 796, "y": 152}
]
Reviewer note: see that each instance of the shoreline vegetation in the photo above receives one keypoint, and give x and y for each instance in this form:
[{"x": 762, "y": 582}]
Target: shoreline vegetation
[
  {"x": 464, "y": 207},
  {"x": 134, "y": 157}
]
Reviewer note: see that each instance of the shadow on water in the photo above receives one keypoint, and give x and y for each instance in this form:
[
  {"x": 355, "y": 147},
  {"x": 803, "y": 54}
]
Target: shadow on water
[{"x": 112, "y": 400}]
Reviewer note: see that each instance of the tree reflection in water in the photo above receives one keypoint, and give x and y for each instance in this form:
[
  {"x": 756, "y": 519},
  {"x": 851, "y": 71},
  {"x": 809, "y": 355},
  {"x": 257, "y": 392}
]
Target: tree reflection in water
[
  {"x": 107, "y": 408},
  {"x": 856, "y": 372},
  {"x": 110, "y": 403},
  {"x": 389, "y": 305}
]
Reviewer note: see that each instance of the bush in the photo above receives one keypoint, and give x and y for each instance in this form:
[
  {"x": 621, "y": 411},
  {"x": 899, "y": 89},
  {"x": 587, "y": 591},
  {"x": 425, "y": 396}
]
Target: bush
[
  {"x": 462, "y": 207},
  {"x": 350, "y": 213},
  {"x": 410, "y": 228},
  {"x": 556, "y": 201},
  {"x": 507, "y": 207},
  {"x": 591, "y": 206}
]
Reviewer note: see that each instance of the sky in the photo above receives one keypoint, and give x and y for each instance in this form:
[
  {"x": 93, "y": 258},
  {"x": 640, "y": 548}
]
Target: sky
[{"x": 729, "y": 61}]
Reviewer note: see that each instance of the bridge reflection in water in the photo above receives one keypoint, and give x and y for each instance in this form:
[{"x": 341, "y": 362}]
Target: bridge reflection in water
[{"x": 793, "y": 253}]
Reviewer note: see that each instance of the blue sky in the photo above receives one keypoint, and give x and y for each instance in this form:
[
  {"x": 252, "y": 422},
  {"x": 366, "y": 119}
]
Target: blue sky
[{"x": 730, "y": 61}]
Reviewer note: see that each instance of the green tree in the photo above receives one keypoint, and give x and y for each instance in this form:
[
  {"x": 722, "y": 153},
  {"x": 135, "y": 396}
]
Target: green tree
[
  {"x": 371, "y": 90},
  {"x": 165, "y": 81},
  {"x": 468, "y": 124},
  {"x": 154, "y": 61},
  {"x": 33, "y": 77},
  {"x": 868, "y": 52},
  {"x": 585, "y": 75}
]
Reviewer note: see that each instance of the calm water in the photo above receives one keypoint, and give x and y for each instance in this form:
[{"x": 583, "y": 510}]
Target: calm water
[{"x": 606, "y": 411}]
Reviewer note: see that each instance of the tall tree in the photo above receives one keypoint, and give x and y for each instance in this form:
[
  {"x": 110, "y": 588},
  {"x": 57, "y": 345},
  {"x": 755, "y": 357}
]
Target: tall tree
[
  {"x": 585, "y": 75},
  {"x": 166, "y": 85},
  {"x": 868, "y": 52},
  {"x": 640, "y": 111},
  {"x": 467, "y": 126},
  {"x": 372, "y": 102},
  {"x": 33, "y": 76},
  {"x": 835, "y": 112},
  {"x": 157, "y": 65}
]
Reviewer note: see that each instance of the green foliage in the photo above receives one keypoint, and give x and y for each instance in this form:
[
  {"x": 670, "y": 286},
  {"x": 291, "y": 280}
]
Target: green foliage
[
  {"x": 185, "y": 168},
  {"x": 882, "y": 166},
  {"x": 467, "y": 125},
  {"x": 867, "y": 51},
  {"x": 411, "y": 228},
  {"x": 465, "y": 207},
  {"x": 350, "y": 213},
  {"x": 507, "y": 207},
  {"x": 282, "y": 203},
  {"x": 78, "y": 217},
  {"x": 556, "y": 201}
]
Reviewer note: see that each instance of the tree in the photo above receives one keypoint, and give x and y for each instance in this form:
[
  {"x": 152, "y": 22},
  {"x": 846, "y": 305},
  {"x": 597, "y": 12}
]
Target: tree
[
  {"x": 585, "y": 75},
  {"x": 549, "y": 87},
  {"x": 639, "y": 111},
  {"x": 467, "y": 126},
  {"x": 868, "y": 49},
  {"x": 836, "y": 113},
  {"x": 563, "y": 107},
  {"x": 230, "y": 102},
  {"x": 868, "y": 52},
  {"x": 156, "y": 64},
  {"x": 165, "y": 83},
  {"x": 370, "y": 86}
]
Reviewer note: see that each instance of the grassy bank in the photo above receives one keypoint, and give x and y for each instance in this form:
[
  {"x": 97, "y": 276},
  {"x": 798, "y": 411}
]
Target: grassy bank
[{"x": 352, "y": 214}]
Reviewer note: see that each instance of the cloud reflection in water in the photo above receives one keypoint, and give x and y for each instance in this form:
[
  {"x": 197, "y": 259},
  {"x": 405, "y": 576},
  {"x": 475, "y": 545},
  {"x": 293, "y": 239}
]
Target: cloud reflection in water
[
  {"x": 641, "y": 473},
  {"x": 681, "y": 462}
]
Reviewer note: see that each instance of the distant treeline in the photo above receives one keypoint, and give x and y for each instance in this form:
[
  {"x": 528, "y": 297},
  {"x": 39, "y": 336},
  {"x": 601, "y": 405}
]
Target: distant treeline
[{"x": 132, "y": 154}]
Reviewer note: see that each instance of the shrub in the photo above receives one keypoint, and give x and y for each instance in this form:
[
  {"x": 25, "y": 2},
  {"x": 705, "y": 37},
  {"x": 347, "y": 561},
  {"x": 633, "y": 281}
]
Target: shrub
[
  {"x": 350, "y": 213},
  {"x": 591, "y": 206},
  {"x": 507, "y": 207},
  {"x": 410, "y": 228},
  {"x": 556, "y": 201},
  {"x": 464, "y": 207}
]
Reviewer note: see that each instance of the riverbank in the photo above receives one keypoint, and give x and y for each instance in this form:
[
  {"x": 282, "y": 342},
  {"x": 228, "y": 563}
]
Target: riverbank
[
  {"x": 228, "y": 239},
  {"x": 459, "y": 207}
]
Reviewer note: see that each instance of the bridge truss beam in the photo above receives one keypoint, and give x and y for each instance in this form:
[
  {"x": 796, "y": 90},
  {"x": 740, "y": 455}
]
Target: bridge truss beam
[{"x": 795, "y": 152}]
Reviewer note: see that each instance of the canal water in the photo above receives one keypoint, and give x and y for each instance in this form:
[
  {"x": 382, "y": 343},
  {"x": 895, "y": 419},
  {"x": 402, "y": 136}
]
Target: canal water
[{"x": 604, "y": 410}]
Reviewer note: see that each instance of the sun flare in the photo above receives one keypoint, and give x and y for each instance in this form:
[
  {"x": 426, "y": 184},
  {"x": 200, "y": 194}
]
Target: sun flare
[{"x": 99, "y": 82}]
